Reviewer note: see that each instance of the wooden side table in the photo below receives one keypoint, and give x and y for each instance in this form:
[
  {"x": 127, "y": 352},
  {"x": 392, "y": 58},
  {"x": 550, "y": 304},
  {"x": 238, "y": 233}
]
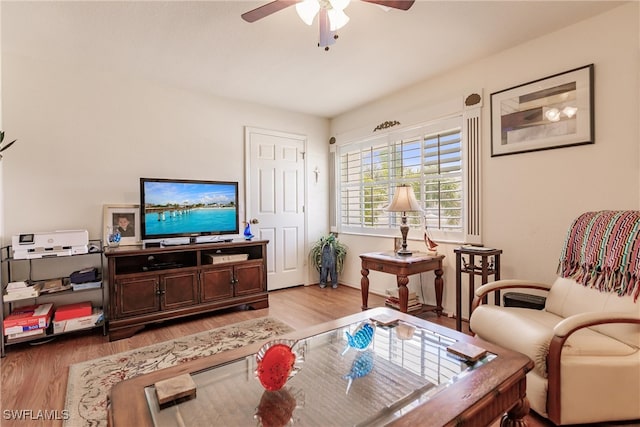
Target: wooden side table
[
  {"x": 402, "y": 267},
  {"x": 486, "y": 268}
]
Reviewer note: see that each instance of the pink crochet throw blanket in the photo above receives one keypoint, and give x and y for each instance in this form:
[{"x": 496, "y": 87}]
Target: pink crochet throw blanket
[{"x": 602, "y": 250}]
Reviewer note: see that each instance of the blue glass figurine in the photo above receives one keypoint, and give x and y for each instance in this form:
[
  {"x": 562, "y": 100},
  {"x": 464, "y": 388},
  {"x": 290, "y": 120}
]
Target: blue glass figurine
[
  {"x": 113, "y": 237},
  {"x": 362, "y": 366},
  {"x": 247, "y": 232},
  {"x": 361, "y": 339}
]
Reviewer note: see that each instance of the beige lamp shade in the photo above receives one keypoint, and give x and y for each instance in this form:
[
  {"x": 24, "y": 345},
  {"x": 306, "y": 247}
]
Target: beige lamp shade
[{"x": 404, "y": 200}]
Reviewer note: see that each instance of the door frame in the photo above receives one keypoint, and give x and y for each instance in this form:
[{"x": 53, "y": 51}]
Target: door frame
[{"x": 247, "y": 183}]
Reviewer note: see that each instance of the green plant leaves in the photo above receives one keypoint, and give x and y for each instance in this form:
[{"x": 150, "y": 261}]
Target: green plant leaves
[{"x": 339, "y": 249}]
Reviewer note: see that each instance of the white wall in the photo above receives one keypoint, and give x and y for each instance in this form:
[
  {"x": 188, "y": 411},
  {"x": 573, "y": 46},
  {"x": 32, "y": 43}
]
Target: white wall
[
  {"x": 1, "y": 174},
  {"x": 87, "y": 136},
  {"x": 529, "y": 200}
]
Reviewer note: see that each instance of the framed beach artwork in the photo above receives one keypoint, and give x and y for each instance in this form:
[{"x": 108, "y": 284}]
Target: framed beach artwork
[
  {"x": 552, "y": 112},
  {"x": 125, "y": 219}
]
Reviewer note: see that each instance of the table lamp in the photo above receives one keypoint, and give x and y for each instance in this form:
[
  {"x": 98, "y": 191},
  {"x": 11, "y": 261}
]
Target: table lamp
[{"x": 404, "y": 200}]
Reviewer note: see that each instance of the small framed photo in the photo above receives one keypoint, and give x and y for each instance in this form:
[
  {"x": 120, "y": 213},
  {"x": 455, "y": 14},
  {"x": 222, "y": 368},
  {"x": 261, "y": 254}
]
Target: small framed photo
[
  {"x": 553, "y": 112},
  {"x": 125, "y": 219}
]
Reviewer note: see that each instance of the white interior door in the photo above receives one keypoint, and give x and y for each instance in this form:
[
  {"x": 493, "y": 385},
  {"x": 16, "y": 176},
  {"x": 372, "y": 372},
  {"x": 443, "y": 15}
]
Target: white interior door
[{"x": 275, "y": 197}]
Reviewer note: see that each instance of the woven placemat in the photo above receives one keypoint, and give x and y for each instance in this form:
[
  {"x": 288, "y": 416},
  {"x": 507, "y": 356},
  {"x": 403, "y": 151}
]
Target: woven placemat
[{"x": 89, "y": 382}]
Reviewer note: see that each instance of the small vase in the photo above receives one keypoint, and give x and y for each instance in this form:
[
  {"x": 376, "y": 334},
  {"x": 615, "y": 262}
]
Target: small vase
[
  {"x": 113, "y": 237},
  {"x": 247, "y": 232}
]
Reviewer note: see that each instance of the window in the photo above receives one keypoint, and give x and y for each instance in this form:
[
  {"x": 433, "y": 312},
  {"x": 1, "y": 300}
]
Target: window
[
  {"x": 429, "y": 158},
  {"x": 442, "y": 181}
]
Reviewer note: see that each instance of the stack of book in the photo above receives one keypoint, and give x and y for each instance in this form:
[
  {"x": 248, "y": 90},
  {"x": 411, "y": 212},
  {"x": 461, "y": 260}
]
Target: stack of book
[
  {"x": 55, "y": 285},
  {"x": 86, "y": 285},
  {"x": 76, "y": 316},
  {"x": 22, "y": 290},
  {"x": 393, "y": 300},
  {"x": 28, "y": 321},
  {"x": 86, "y": 278}
]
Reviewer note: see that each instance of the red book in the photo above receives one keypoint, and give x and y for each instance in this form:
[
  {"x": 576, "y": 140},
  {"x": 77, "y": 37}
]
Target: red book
[
  {"x": 29, "y": 317},
  {"x": 71, "y": 311}
]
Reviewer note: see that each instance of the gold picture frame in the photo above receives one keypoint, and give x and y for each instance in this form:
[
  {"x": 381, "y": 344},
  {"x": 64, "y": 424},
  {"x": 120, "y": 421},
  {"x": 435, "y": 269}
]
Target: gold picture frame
[{"x": 124, "y": 216}]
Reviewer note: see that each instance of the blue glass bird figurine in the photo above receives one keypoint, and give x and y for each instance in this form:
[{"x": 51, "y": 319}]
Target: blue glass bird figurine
[
  {"x": 361, "y": 339},
  {"x": 362, "y": 366}
]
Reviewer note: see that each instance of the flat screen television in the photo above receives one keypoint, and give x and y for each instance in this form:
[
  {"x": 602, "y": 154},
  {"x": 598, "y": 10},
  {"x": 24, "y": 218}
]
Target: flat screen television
[{"x": 180, "y": 208}]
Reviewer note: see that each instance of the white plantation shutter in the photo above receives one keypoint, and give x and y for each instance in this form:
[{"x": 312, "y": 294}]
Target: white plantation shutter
[
  {"x": 443, "y": 191},
  {"x": 364, "y": 191},
  {"x": 428, "y": 157}
]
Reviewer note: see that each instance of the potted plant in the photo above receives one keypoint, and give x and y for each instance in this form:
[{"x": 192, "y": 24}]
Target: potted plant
[{"x": 327, "y": 256}]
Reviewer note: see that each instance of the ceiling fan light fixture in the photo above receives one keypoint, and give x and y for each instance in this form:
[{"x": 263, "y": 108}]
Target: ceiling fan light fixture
[
  {"x": 331, "y": 13},
  {"x": 337, "y": 19},
  {"x": 307, "y": 10},
  {"x": 339, "y": 4}
]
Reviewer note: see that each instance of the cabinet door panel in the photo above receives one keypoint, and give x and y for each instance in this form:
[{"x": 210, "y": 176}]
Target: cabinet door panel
[
  {"x": 137, "y": 296},
  {"x": 249, "y": 278},
  {"x": 217, "y": 283},
  {"x": 179, "y": 290}
]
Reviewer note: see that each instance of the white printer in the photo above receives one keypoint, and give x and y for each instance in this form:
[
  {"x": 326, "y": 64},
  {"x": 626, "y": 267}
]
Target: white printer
[{"x": 50, "y": 244}]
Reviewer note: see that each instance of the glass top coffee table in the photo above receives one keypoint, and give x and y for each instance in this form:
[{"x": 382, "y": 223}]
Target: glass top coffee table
[{"x": 405, "y": 373}]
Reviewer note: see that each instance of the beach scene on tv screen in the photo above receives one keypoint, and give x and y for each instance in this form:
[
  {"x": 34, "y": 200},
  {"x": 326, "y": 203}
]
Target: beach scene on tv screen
[{"x": 189, "y": 208}]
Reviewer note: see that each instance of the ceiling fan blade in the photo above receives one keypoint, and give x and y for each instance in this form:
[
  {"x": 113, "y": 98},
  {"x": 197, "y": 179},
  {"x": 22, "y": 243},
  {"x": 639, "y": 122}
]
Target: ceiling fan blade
[
  {"x": 396, "y": 4},
  {"x": 267, "y": 9}
]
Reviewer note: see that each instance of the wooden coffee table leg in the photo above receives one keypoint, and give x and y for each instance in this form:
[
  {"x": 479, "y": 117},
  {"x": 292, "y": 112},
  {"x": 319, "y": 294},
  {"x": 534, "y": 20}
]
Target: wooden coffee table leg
[
  {"x": 364, "y": 288},
  {"x": 515, "y": 416},
  {"x": 403, "y": 292},
  {"x": 439, "y": 285}
]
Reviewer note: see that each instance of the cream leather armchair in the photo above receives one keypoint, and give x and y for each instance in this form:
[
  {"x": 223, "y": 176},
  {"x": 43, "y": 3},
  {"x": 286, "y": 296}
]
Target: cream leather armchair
[{"x": 585, "y": 343}]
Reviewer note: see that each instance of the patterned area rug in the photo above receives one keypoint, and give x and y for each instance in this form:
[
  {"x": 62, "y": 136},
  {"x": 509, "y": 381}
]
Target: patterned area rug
[{"x": 90, "y": 381}]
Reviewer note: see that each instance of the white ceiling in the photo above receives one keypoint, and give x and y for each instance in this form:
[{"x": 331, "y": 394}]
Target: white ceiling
[{"x": 205, "y": 46}]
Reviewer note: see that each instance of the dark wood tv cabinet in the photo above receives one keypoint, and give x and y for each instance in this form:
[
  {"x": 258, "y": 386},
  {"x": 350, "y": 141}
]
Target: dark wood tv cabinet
[{"x": 149, "y": 285}]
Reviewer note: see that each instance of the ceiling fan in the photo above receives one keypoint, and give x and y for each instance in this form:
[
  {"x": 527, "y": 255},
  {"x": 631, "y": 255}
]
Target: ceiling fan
[{"x": 331, "y": 13}]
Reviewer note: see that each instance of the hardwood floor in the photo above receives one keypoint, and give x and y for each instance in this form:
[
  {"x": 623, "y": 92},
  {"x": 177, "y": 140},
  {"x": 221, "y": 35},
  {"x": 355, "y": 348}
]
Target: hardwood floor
[{"x": 34, "y": 377}]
